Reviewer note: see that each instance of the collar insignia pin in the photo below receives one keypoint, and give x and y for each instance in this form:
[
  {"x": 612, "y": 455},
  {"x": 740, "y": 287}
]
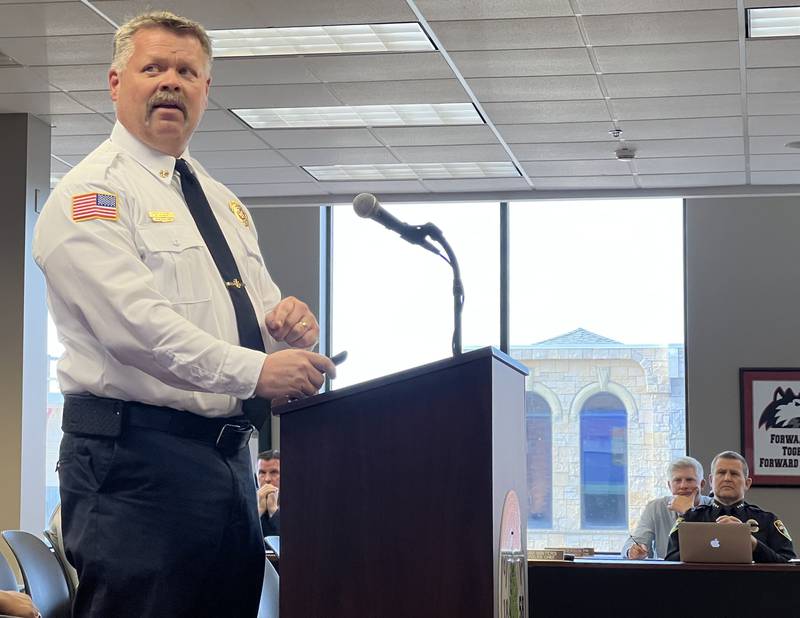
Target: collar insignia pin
[{"x": 163, "y": 173}]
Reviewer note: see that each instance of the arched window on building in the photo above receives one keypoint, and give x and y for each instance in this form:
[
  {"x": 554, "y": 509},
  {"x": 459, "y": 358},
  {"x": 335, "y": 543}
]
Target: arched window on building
[
  {"x": 539, "y": 430},
  {"x": 604, "y": 447}
]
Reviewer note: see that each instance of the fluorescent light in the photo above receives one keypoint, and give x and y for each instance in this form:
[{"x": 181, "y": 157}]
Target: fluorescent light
[
  {"x": 413, "y": 171},
  {"x": 361, "y": 115},
  {"x": 778, "y": 21},
  {"x": 356, "y": 38}
]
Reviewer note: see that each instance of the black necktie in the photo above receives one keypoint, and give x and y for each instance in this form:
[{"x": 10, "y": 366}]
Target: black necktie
[{"x": 246, "y": 323}]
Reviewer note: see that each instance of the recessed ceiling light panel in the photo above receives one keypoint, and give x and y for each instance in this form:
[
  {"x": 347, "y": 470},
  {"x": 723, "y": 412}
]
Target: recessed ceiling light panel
[
  {"x": 414, "y": 171},
  {"x": 771, "y": 22},
  {"x": 349, "y": 39},
  {"x": 422, "y": 114}
]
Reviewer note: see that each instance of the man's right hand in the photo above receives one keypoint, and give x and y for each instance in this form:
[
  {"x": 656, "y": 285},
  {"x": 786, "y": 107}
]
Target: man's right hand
[
  {"x": 18, "y": 604},
  {"x": 293, "y": 373},
  {"x": 637, "y": 551}
]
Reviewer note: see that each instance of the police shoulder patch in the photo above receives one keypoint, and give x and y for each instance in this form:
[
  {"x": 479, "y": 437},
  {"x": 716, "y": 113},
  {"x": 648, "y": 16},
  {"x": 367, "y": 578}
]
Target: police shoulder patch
[
  {"x": 782, "y": 529},
  {"x": 678, "y": 522}
]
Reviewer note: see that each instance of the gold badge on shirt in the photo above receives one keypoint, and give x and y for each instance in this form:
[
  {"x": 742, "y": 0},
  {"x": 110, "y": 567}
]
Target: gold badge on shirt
[
  {"x": 161, "y": 216},
  {"x": 238, "y": 210},
  {"x": 753, "y": 525}
]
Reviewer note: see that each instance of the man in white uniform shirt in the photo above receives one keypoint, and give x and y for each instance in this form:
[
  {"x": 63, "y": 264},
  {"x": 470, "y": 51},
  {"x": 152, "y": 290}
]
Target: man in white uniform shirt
[{"x": 175, "y": 338}]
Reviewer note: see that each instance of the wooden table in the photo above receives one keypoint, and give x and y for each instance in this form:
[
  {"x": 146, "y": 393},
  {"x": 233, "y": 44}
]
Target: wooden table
[{"x": 620, "y": 588}]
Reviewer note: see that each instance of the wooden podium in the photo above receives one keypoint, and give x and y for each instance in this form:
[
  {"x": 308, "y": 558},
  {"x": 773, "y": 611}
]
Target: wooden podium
[{"x": 392, "y": 493}]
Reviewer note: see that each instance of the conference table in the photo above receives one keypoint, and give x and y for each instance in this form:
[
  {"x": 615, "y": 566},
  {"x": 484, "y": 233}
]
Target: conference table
[{"x": 611, "y": 587}]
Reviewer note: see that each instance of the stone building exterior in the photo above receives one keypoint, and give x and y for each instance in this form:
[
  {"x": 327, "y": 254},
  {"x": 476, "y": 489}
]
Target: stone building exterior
[{"x": 647, "y": 382}]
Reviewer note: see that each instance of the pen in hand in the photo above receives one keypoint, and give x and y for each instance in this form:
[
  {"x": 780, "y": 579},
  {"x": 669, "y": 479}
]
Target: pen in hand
[{"x": 640, "y": 551}]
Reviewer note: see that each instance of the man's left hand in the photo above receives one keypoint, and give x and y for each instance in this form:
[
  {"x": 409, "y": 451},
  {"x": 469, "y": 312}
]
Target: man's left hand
[{"x": 291, "y": 321}]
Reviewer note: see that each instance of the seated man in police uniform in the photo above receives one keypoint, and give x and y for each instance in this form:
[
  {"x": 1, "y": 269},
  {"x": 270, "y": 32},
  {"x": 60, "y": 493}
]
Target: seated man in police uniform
[{"x": 730, "y": 479}]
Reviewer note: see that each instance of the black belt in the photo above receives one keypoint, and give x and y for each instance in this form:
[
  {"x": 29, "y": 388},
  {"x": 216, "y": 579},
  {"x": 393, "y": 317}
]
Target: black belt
[{"x": 104, "y": 417}]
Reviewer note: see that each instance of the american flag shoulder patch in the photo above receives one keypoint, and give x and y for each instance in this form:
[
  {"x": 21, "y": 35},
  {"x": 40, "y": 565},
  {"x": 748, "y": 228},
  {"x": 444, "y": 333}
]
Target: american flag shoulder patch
[{"x": 88, "y": 206}]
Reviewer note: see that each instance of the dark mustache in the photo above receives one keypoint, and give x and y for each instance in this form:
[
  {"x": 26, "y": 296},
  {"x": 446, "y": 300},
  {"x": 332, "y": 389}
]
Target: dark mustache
[{"x": 163, "y": 97}]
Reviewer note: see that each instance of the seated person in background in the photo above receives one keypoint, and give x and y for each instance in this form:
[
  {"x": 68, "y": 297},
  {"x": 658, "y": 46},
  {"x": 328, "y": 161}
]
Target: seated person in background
[
  {"x": 54, "y": 530},
  {"x": 730, "y": 480},
  {"x": 269, "y": 481},
  {"x": 651, "y": 536},
  {"x": 18, "y": 605}
]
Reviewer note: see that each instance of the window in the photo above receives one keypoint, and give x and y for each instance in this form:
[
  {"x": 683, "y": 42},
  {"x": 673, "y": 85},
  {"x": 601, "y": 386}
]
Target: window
[
  {"x": 539, "y": 457},
  {"x": 603, "y": 462},
  {"x": 392, "y": 303},
  {"x": 55, "y": 406}
]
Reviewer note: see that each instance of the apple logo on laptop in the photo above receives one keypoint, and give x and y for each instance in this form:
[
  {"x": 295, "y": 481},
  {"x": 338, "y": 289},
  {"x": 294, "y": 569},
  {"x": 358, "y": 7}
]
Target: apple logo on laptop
[{"x": 714, "y": 543}]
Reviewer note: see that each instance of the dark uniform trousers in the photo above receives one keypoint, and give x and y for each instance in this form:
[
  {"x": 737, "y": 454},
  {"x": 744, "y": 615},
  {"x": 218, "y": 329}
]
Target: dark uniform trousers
[{"x": 160, "y": 526}]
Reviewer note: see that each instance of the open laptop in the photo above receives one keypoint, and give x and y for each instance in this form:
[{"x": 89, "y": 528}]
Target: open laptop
[{"x": 712, "y": 542}]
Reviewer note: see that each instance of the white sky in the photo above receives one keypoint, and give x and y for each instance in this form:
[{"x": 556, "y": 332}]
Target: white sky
[{"x": 612, "y": 267}]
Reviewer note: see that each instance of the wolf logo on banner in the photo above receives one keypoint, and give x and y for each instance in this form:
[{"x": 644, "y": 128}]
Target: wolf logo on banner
[{"x": 783, "y": 411}]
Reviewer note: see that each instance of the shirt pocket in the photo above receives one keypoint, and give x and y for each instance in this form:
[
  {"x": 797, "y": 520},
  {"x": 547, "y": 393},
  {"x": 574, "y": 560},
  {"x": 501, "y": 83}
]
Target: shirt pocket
[{"x": 178, "y": 259}]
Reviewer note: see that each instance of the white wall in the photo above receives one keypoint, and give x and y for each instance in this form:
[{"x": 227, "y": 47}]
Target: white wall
[{"x": 743, "y": 310}]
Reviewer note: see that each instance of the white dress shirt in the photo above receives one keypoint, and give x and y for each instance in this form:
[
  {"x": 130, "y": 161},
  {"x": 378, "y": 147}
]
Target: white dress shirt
[{"x": 139, "y": 304}]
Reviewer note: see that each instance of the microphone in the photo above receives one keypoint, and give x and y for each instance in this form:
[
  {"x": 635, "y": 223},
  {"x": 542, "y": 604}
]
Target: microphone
[{"x": 367, "y": 206}]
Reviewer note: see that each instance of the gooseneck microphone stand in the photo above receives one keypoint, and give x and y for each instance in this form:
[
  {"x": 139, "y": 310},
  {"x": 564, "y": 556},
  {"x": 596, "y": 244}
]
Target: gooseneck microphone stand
[{"x": 416, "y": 234}]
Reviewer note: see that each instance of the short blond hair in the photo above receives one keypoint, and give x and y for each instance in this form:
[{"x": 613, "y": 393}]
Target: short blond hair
[{"x": 123, "y": 38}]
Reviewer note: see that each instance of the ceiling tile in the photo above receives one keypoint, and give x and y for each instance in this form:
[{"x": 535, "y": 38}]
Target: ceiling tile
[
  {"x": 554, "y": 88},
  {"x": 569, "y": 151},
  {"x": 225, "y": 140},
  {"x": 277, "y": 189},
  {"x": 774, "y": 103},
  {"x": 677, "y": 107},
  {"x": 248, "y": 14},
  {"x": 90, "y": 49},
  {"x": 318, "y": 138},
  {"x": 773, "y": 125},
  {"x": 584, "y": 182},
  {"x": 50, "y": 19},
  {"x": 775, "y": 178},
  {"x": 688, "y": 165},
  {"x": 608, "y": 7},
  {"x": 75, "y": 77},
  {"x": 22, "y": 79},
  {"x": 773, "y": 80},
  {"x": 75, "y": 144},
  {"x": 665, "y": 181},
  {"x": 689, "y": 147},
  {"x": 40, "y": 103},
  {"x": 607, "y": 167},
  {"x": 556, "y": 132},
  {"x": 650, "y": 28},
  {"x": 773, "y": 144},
  {"x": 780, "y": 52},
  {"x": 226, "y": 159},
  {"x": 338, "y": 156},
  {"x": 775, "y": 162},
  {"x": 221, "y": 120},
  {"x": 670, "y": 57},
  {"x": 351, "y": 189},
  {"x": 261, "y": 175},
  {"x": 731, "y": 126},
  {"x": 523, "y": 62},
  {"x": 378, "y": 67},
  {"x": 294, "y": 95},
  {"x": 450, "y": 154},
  {"x": 546, "y": 111},
  {"x": 436, "y": 10},
  {"x": 545, "y": 33},
  {"x": 477, "y": 184},
  {"x": 431, "y": 136},
  {"x": 257, "y": 71},
  {"x": 413, "y": 91},
  {"x": 675, "y": 83},
  {"x": 78, "y": 124}
]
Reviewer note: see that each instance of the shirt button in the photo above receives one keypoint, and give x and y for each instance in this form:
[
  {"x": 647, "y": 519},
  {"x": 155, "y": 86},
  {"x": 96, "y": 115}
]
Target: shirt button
[{"x": 176, "y": 242}]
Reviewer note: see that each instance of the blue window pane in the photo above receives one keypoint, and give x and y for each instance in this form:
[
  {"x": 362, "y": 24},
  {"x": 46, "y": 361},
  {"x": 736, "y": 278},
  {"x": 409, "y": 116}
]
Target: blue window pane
[
  {"x": 539, "y": 458},
  {"x": 603, "y": 463}
]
